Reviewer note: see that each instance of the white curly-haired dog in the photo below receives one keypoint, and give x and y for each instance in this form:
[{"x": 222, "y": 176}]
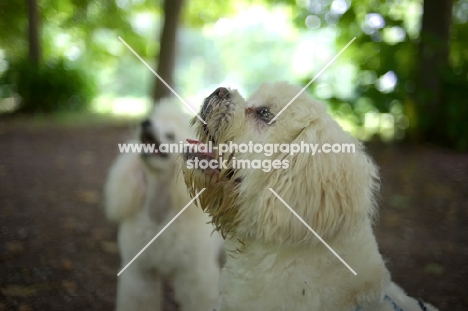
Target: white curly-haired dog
[
  {"x": 143, "y": 193},
  {"x": 276, "y": 262}
]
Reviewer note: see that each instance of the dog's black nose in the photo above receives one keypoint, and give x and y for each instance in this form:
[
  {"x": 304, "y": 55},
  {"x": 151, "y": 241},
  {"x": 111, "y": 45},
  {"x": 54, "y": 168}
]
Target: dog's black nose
[
  {"x": 219, "y": 96},
  {"x": 145, "y": 124},
  {"x": 222, "y": 92}
]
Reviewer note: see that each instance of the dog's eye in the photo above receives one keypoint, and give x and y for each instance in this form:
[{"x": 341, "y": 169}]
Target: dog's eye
[{"x": 264, "y": 113}]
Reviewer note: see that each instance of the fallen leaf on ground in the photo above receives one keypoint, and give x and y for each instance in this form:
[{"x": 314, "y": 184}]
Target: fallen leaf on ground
[
  {"x": 88, "y": 196},
  {"x": 14, "y": 247},
  {"x": 109, "y": 247},
  {"x": 100, "y": 233},
  {"x": 69, "y": 286},
  {"x": 67, "y": 264},
  {"x": 434, "y": 268},
  {"x": 25, "y": 308},
  {"x": 18, "y": 291},
  {"x": 399, "y": 201},
  {"x": 392, "y": 220}
]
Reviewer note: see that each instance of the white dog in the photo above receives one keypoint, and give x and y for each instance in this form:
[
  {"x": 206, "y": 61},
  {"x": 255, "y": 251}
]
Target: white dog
[
  {"x": 277, "y": 263},
  {"x": 143, "y": 193}
]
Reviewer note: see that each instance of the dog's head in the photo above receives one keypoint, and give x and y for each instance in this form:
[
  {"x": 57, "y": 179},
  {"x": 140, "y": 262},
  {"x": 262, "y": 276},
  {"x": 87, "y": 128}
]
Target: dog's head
[
  {"x": 167, "y": 124},
  {"x": 332, "y": 192}
]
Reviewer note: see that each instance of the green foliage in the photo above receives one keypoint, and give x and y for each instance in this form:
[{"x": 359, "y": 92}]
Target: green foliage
[
  {"x": 200, "y": 13},
  {"x": 86, "y": 31},
  {"x": 456, "y": 108},
  {"x": 387, "y": 42},
  {"x": 456, "y": 79},
  {"x": 72, "y": 23},
  {"x": 49, "y": 87},
  {"x": 13, "y": 25}
]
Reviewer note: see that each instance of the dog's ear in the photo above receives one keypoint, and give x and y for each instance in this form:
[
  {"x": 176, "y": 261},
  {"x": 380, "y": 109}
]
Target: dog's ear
[{"x": 332, "y": 192}]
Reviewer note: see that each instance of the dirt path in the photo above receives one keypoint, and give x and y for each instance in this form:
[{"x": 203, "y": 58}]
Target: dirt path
[{"x": 57, "y": 251}]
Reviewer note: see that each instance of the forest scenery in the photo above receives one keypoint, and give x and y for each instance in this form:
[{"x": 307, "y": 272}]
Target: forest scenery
[{"x": 80, "y": 77}]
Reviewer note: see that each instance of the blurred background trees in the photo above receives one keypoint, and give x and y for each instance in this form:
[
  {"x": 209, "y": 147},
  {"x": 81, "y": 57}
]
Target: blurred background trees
[
  {"x": 168, "y": 52},
  {"x": 413, "y": 59},
  {"x": 405, "y": 77}
]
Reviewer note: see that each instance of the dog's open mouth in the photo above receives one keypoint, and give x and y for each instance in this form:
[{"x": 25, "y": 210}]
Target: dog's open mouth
[
  {"x": 148, "y": 139},
  {"x": 202, "y": 150},
  {"x": 199, "y": 152},
  {"x": 205, "y": 151}
]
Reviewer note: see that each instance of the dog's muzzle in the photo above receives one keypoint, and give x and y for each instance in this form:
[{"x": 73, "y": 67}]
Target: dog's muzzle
[
  {"x": 214, "y": 110},
  {"x": 147, "y": 136},
  {"x": 219, "y": 96}
]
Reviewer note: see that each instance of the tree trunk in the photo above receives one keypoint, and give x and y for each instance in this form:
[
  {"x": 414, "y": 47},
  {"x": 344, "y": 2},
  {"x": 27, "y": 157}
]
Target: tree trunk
[
  {"x": 34, "y": 44},
  {"x": 433, "y": 61},
  {"x": 168, "y": 47}
]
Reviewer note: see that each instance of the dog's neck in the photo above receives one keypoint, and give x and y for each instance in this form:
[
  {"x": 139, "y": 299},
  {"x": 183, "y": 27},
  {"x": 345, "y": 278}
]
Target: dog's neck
[
  {"x": 313, "y": 264},
  {"x": 158, "y": 200}
]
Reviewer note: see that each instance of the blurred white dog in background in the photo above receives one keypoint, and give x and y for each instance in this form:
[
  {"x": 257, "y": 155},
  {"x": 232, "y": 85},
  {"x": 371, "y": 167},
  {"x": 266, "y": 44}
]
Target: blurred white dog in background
[{"x": 143, "y": 193}]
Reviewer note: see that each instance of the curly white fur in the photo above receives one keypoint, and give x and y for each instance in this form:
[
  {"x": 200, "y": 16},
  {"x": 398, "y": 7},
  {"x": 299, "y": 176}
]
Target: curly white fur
[
  {"x": 276, "y": 263},
  {"x": 143, "y": 193}
]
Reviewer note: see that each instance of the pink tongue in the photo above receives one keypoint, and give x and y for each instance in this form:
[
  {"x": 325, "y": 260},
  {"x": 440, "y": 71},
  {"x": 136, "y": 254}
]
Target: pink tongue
[
  {"x": 193, "y": 141},
  {"x": 202, "y": 148}
]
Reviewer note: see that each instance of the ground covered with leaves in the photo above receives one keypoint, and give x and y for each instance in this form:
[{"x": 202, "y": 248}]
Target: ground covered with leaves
[{"x": 58, "y": 252}]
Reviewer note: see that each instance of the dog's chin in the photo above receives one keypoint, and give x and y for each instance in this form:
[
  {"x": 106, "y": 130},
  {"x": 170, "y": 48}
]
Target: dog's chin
[
  {"x": 157, "y": 162},
  {"x": 220, "y": 183},
  {"x": 219, "y": 198}
]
